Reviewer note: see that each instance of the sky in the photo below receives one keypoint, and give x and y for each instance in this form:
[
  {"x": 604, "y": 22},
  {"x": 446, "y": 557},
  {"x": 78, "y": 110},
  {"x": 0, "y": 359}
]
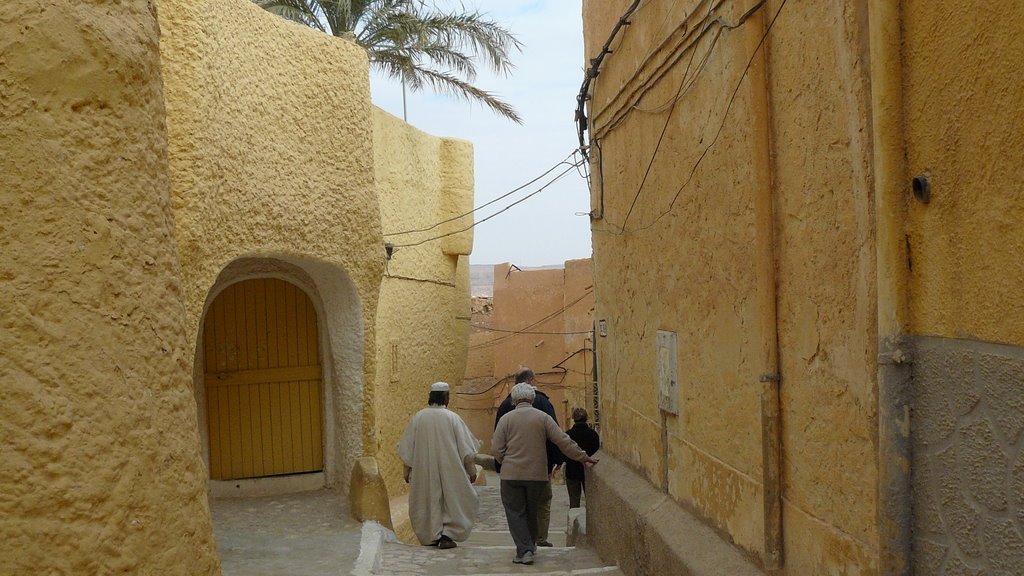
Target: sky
[{"x": 544, "y": 229}]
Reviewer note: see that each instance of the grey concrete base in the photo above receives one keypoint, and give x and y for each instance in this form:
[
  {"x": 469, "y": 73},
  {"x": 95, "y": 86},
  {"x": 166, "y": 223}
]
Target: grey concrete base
[
  {"x": 641, "y": 529},
  {"x": 270, "y": 486},
  {"x": 967, "y": 429}
]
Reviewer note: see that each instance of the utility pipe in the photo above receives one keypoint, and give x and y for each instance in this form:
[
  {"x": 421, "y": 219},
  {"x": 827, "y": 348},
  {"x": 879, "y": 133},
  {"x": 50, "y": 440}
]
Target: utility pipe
[
  {"x": 764, "y": 213},
  {"x": 893, "y": 500}
]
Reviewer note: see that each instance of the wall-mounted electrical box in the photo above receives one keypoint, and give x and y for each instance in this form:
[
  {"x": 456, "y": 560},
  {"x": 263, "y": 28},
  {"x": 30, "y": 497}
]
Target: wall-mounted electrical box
[{"x": 668, "y": 381}]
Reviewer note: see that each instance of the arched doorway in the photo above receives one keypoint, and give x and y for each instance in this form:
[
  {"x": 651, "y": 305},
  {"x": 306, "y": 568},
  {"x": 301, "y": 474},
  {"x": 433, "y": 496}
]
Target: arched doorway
[{"x": 263, "y": 374}]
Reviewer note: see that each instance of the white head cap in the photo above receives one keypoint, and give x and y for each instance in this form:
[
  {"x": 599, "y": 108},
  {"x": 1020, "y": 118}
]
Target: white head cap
[
  {"x": 523, "y": 391},
  {"x": 439, "y": 387}
]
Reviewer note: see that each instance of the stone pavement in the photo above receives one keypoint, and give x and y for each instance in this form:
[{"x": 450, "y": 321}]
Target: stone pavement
[
  {"x": 489, "y": 550},
  {"x": 312, "y": 533},
  {"x": 303, "y": 534}
]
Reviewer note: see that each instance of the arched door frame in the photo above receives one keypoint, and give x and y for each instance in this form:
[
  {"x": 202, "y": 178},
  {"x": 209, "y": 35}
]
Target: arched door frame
[{"x": 341, "y": 341}]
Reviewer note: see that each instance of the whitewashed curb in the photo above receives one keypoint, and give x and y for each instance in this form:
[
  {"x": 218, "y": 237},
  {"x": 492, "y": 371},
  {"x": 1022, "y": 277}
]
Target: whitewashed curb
[{"x": 371, "y": 544}]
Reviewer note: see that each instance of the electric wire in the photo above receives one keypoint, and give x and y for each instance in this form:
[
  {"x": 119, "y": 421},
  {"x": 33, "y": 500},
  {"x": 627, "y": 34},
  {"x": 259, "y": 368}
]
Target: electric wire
[
  {"x": 494, "y": 341},
  {"x": 725, "y": 117},
  {"x": 482, "y": 220},
  {"x": 691, "y": 47},
  {"x": 664, "y": 127},
  {"x": 496, "y": 383},
  {"x": 489, "y": 329},
  {"x": 593, "y": 71},
  {"x": 502, "y": 197},
  {"x": 622, "y": 114}
]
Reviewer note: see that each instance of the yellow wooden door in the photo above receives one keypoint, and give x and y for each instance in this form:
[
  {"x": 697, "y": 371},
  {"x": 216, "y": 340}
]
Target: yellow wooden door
[{"x": 262, "y": 367}]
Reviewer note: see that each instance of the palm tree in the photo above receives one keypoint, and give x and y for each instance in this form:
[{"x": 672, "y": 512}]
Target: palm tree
[{"x": 413, "y": 42}]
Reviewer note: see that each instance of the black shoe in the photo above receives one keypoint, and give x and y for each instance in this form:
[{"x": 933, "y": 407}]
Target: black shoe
[
  {"x": 544, "y": 543},
  {"x": 445, "y": 543}
]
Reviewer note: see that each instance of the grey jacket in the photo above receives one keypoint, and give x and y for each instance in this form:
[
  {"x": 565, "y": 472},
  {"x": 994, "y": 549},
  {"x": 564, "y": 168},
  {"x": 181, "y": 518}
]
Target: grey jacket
[{"x": 518, "y": 443}]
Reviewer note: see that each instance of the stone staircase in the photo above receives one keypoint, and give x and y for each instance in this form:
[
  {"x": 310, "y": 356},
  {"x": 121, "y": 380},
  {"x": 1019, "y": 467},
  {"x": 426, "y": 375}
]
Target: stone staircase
[{"x": 489, "y": 550}]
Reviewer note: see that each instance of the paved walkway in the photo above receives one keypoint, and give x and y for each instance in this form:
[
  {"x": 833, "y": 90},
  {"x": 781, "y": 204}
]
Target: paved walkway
[
  {"x": 304, "y": 534},
  {"x": 312, "y": 534}
]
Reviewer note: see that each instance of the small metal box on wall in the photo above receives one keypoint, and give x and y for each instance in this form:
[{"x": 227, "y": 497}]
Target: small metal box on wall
[{"x": 668, "y": 382}]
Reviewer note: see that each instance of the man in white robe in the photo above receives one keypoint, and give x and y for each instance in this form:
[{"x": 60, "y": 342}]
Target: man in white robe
[{"x": 439, "y": 452}]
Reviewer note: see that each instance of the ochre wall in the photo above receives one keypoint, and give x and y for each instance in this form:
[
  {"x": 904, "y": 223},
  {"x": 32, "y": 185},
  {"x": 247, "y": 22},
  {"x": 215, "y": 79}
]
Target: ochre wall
[
  {"x": 822, "y": 183},
  {"x": 99, "y": 467},
  {"x": 423, "y": 315},
  {"x": 481, "y": 364},
  {"x": 521, "y": 298},
  {"x": 272, "y": 166},
  {"x": 553, "y": 309},
  {"x": 578, "y": 342},
  {"x": 964, "y": 118},
  {"x": 751, "y": 236},
  {"x": 478, "y": 390},
  {"x": 681, "y": 261}
]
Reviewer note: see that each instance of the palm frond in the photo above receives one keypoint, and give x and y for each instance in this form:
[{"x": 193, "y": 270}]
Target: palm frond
[
  {"x": 415, "y": 41},
  {"x": 418, "y": 77},
  {"x": 295, "y": 10},
  {"x": 472, "y": 31}
]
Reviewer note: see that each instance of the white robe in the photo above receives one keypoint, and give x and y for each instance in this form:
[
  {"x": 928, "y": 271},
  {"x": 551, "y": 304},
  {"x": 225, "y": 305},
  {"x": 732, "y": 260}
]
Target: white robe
[{"x": 436, "y": 445}]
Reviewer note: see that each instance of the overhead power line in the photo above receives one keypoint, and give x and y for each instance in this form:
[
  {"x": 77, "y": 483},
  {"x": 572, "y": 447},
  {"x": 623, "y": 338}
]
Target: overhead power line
[
  {"x": 564, "y": 161},
  {"x": 532, "y": 324},
  {"x": 725, "y": 115},
  {"x": 482, "y": 220},
  {"x": 489, "y": 329}
]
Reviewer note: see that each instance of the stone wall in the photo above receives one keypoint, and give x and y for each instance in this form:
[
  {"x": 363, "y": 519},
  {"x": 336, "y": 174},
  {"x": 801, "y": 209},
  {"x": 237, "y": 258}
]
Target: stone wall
[
  {"x": 968, "y": 457},
  {"x": 962, "y": 118},
  {"x": 637, "y": 528},
  {"x": 100, "y": 471}
]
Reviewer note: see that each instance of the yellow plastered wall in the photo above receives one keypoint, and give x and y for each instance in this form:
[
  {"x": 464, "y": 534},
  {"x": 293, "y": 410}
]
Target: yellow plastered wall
[
  {"x": 824, "y": 215},
  {"x": 423, "y": 315},
  {"x": 684, "y": 267},
  {"x": 98, "y": 463},
  {"x": 964, "y": 114},
  {"x": 753, "y": 165},
  {"x": 272, "y": 174}
]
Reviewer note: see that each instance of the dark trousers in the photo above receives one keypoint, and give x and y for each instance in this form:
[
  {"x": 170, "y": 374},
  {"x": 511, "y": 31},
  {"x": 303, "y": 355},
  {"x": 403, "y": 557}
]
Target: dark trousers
[
  {"x": 521, "y": 499},
  {"x": 575, "y": 488}
]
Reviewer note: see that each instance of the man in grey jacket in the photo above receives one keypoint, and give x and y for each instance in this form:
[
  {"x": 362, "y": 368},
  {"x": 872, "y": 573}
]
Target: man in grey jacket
[{"x": 518, "y": 445}]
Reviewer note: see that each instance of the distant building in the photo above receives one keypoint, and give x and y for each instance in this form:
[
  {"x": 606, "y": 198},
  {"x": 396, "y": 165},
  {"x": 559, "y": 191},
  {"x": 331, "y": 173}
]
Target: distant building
[{"x": 541, "y": 318}]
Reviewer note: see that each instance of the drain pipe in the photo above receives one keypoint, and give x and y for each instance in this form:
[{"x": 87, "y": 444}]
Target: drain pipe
[
  {"x": 764, "y": 214},
  {"x": 893, "y": 376}
]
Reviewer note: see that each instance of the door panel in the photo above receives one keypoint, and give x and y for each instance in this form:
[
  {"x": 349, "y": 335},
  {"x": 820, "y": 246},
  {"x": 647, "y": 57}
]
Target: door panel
[{"x": 263, "y": 375}]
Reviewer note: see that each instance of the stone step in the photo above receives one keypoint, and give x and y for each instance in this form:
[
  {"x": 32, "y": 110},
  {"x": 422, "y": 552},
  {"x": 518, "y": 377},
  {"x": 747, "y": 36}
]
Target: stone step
[
  {"x": 503, "y": 538},
  {"x": 468, "y": 559}
]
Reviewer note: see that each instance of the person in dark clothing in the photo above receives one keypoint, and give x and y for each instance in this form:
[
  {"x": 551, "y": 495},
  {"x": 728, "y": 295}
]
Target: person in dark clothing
[
  {"x": 554, "y": 455},
  {"x": 588, "y": 439}
]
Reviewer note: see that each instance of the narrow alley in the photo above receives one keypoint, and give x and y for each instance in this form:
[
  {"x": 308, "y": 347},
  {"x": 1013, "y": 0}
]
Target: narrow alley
[{"x": 313, "y": 534}]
